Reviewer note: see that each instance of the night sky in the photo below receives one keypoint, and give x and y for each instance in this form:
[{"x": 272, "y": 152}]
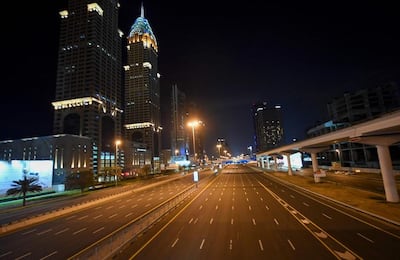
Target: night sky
[{"x": 224, "y": 55}]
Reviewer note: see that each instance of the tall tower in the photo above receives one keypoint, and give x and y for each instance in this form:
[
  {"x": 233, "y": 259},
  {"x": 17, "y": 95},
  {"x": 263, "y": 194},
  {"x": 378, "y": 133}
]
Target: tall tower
[
  {"x": 178, "y": 127},
  {"x": 142, "y": 91},
  {"x": 88, "y": 88},
  {"x": 268, "y": 126}
]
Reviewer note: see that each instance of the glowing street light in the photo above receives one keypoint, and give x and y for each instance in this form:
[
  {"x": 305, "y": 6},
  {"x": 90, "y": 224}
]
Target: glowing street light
[{"x": 194, "y": 124}]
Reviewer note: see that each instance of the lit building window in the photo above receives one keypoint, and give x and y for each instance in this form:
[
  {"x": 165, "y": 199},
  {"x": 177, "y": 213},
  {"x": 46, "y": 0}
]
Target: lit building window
[{"x": 95, "y": 7}]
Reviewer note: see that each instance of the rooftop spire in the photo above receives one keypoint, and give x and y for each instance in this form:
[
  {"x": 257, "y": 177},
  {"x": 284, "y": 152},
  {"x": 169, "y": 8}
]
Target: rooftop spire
[{"x": 142, "y": 11}]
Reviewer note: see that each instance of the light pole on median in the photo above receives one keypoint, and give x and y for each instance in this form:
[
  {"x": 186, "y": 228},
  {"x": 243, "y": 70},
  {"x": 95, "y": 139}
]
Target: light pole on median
[
  {"x": 117, "y": 142},
  {"x": 193, "y": 125}
]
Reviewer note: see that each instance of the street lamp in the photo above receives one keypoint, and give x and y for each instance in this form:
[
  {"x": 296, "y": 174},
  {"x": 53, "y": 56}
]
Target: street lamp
[
  {"x": 194, "y": 124},
  {"x": 117, "y": 142}
]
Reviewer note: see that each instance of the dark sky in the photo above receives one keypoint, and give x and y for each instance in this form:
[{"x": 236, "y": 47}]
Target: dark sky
[{"x": 225, "y": 55}]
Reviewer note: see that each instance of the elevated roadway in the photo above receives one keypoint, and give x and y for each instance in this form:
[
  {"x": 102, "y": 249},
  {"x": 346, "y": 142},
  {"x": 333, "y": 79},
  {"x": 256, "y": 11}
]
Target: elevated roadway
[{"x": 380, "y": 132}]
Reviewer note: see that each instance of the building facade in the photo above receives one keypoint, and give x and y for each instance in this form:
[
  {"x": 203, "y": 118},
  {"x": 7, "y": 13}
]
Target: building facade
[
  {"x": 352, "y": 108},
  {"x": 142, "y": 121},
  {"x": 88, "y": 87},
  {"x": 179, "y": 146},
  {"x": 69, "y": 153},
  {"x": 268, "y": 126}
]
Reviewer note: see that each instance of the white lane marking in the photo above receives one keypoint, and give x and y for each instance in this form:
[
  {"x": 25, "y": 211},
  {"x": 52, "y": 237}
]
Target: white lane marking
[
  {"x": 195, "y": 221},
  {"x": 134, "y": 206},
  {"x": 261, "y": 199},
  {"x": 30, "y": 231},
  {"x": 44, "y": 232},
  {"x": 83, "y": 217},
  {"x": 127, "y": 215},
  {"x": 206, "y": 199},
  {"x": 266, "y": 206},
  {"x": 109, "y": 207},
  {"x": 119, "y": 200},
  {"x": 122, "y": 206},
  {"x": 148, "y": 204},
  {"x": 176, "y": 241},
  {"x": 247, "y": 199},
  {"x": 231, "y": 221},
  {"x": 261, "y": 245},
  {"x": 23, "y": 256},
  {"x": 190, "y": 221},
  {"x": 211, "y": 221},
  {"x": 5, "y": 254},
  {"x": 62, "y": 231},
  {"x": 79, "y": 231},
  {"x": 201, "y": 206},
  {"x": 47, "y": 256},
  {"x": 98, "y": 230},
  {"x": 328, "y": 217},
  {"x": 128, "y": 200},
  {"x": 305, "y": 204},
  {"x": 216, "y": 207},
  {"x": 219, "y": 199},
  {"x": 139, "y": 199},
  {"x": 230, "y": 245},
  {"x": 113, "y": 215},
  {"x": 366, "y": 238},
  {"x": 98, "y": 216},
  {"x": 149, "y": 198},
  {"x": 233, "y": 199},
  {"x": 73, "y": 216},
  {"x": 202, "y": 243},
  {"x": 250, "y": 208},
  {"x": 276, "y": 221},
  {"x": 233, "y": 207},
  {"x": 254, "y": 222},
  {"x": 292, "y": 196},
  {"x": 291, "y": 244}
]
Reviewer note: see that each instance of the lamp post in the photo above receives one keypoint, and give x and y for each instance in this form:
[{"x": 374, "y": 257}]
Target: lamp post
[
  {"x": 194, "y": 124},
  {"x": 117, "y": 142}
]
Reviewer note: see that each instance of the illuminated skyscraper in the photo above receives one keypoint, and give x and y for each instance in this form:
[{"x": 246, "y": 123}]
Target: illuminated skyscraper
[
  {"x": 88, "y": 88},
  {"x": 142, "y": 91},
  {"x": 268, "y": 126},
  {"x": 178, "y": 122}
]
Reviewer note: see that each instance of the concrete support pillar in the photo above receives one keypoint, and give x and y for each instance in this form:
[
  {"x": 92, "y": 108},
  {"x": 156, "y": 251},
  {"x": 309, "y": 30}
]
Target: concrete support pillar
[
  {"x": 268, "y": 165},
  {"x": 262, "y": 162},
  {"x": 290, "y": 172},
  {"x": 289, "y": 165},
  {"x": 314, "y": 162},
  {"x": 275, "y": 162},
  {"x": 389, "y": 182}
]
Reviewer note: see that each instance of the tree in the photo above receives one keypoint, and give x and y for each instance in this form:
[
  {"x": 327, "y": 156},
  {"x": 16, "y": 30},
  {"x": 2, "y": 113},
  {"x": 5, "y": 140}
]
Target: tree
[
  {"x": 24, "y": 186},
  {"x": 80, "y": 180}
]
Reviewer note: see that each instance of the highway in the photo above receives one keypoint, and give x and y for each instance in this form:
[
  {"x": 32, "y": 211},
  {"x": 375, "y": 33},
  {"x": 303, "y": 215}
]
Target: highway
[
  {"x": 64, "y": 236},
  {"x": 246, "y": 214}
]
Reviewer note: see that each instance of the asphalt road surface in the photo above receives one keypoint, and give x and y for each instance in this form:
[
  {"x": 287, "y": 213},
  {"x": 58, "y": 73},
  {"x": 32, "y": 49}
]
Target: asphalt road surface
[
  {"x": 64, "y": 236},
  {"x": 246, "y": 214}
]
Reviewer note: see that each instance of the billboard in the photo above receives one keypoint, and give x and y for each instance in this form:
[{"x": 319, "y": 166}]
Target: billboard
[{"x": 42, "y": 170}]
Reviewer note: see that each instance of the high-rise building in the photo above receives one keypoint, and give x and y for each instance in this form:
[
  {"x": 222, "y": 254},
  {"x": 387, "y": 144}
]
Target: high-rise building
[
  {"x": 142, "y": 91},
  {"x": 364, "y": 104},
  {"x": 88, "y": 88},
  {"x": 178, "y": 122},
  {"x": 268, "y": 127}
]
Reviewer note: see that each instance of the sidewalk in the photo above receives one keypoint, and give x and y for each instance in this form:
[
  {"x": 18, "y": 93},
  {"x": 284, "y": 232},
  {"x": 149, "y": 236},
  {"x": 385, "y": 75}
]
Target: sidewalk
[{"x": 367, "y": 201}]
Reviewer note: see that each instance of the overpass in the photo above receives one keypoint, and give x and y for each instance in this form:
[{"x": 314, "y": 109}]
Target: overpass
[{"x": 380, "y": 132}]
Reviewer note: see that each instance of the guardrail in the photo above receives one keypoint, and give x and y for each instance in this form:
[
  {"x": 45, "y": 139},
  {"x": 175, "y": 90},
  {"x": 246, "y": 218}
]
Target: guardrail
[{"x": 110, "y": 244}]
